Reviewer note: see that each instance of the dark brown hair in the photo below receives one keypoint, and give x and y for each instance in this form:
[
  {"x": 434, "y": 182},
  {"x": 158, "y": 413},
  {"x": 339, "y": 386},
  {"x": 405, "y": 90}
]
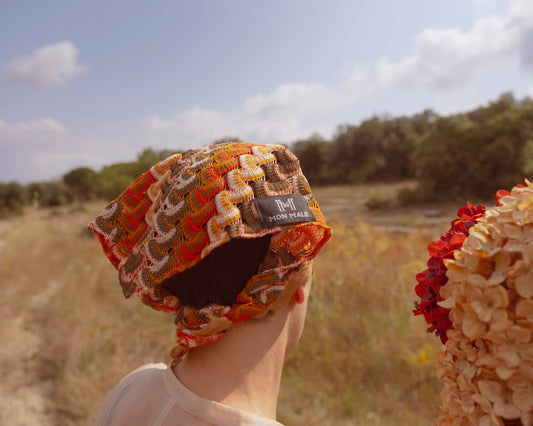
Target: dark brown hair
[{"x": 222, "y": 275}]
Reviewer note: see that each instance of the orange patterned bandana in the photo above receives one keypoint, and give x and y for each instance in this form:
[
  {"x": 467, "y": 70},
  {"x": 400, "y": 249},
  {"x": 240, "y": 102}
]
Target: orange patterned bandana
[{"x": 184, "y": 207}]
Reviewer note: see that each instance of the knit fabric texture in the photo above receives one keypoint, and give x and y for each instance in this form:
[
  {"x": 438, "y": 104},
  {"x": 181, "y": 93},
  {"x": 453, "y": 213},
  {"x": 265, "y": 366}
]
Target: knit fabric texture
[{"x": 187, "y": 205}]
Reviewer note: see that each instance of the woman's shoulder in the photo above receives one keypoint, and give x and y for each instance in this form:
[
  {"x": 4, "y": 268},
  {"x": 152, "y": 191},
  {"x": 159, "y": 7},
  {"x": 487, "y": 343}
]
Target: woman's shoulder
[
  {"x": 148, "y": 369},
  {"x": 135, "y": 398}
]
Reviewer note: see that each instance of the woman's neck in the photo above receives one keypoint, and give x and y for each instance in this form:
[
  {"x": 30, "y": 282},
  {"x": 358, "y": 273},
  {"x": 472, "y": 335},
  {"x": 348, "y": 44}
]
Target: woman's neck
[{"x": 243, "y": 369}]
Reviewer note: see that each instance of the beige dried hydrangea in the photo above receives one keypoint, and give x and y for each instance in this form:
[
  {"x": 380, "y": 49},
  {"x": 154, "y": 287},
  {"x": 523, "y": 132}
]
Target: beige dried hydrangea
[{"x": 488, "y": 363}]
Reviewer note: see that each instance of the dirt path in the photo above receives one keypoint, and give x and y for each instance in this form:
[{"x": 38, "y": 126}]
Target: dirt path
[
  {"x": 25, "y": 392},
  {"x": 24, "y": 395}
]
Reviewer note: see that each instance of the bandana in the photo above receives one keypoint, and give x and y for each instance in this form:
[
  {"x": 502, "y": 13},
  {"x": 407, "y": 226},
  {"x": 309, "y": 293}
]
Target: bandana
[{"x": 187, "y": 205}]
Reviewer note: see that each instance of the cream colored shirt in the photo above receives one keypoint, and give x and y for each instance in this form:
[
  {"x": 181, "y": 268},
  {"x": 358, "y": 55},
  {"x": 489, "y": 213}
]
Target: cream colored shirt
[{"x": 153, "y": 396}]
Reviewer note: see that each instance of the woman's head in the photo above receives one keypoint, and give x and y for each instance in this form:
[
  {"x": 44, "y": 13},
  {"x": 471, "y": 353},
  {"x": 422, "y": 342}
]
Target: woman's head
[{"x": 244, "y": 210}]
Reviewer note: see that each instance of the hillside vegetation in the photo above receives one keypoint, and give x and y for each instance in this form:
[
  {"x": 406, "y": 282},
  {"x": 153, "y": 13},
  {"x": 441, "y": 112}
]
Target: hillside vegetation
[{"x": 472, "y": 154}]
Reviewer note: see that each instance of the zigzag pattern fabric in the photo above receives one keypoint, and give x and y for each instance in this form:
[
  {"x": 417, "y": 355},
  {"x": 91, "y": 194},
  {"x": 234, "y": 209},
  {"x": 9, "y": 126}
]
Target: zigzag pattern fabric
[{"x": 175, "y": 214}]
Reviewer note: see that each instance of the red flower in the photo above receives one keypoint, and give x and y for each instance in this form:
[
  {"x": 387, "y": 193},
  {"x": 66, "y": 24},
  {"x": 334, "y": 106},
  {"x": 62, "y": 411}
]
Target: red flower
[
  {"x": 434, "y": 277},
  {"x": 502, "y": 193}
]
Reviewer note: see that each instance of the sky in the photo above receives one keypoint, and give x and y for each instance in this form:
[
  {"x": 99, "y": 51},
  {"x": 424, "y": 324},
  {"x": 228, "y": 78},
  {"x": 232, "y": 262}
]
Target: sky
[{"x": 93, "y": 83}]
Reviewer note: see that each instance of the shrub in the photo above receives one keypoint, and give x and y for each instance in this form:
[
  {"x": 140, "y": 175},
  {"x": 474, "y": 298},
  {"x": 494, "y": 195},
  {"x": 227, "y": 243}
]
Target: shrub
[{"x": 377, "y": 202}]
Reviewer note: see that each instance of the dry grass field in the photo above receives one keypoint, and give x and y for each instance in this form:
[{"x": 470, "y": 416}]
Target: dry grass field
[{"x": 68, "y": 335}]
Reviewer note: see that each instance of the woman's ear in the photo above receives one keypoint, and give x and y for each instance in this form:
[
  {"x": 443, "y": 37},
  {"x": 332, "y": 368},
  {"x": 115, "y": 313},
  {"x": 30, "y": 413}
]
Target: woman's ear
[{"x": 299, "y": 295}]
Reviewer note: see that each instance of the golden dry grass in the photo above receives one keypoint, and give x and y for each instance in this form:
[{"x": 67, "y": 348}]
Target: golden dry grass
[
  {"x": 69, "y": 335},
  {"x": 363, "y": 359}
]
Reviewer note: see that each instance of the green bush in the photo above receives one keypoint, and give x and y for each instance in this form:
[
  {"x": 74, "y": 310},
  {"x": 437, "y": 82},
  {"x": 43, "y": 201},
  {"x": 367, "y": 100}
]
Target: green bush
[
  {"x": 12, "y": 197},
  {"x": 377, "y": 202},
  {"x": 49, "y": 194}
]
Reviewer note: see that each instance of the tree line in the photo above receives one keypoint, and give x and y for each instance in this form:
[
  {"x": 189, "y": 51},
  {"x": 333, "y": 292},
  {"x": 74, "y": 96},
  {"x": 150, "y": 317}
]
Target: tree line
[
  {"x": 471, "y": 154},
  {"x": 78, "y": 185}
]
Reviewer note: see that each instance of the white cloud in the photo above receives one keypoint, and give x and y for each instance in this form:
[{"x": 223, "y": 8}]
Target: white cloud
[
  {"x": 448, "y": 58},
  {"x": 296, "y": 98},
  {"x": 522, "y": 17},
  {"x": 190, "y": 125},
  {"x": 278, "y": 116},
  {"x": 484, "y": 3},
  {"x": 521, "y": 11},
  {"x": 442, "y": 59},
  {"x": 42, "y": 126},
  {"x": 53, "y": 65},
  {"x": 43, "y": 149}
]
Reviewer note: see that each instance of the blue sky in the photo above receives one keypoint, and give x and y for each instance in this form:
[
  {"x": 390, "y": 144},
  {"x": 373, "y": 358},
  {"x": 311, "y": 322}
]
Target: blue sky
[{"x": 93, "y": 83}]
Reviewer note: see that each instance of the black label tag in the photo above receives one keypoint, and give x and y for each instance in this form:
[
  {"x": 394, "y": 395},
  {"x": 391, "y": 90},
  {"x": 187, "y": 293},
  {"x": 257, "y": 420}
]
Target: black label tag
[{"x": 283, "y": 209}]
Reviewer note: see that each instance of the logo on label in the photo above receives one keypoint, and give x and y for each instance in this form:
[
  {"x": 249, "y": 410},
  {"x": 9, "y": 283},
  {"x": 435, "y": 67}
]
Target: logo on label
[
  {"x": 287, "y": 205},
  {"x": 283, "y": 209}
]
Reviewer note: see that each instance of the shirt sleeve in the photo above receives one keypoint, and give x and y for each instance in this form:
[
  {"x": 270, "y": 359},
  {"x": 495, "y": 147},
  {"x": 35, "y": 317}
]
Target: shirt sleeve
[{"x": 134, "y": 390}]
